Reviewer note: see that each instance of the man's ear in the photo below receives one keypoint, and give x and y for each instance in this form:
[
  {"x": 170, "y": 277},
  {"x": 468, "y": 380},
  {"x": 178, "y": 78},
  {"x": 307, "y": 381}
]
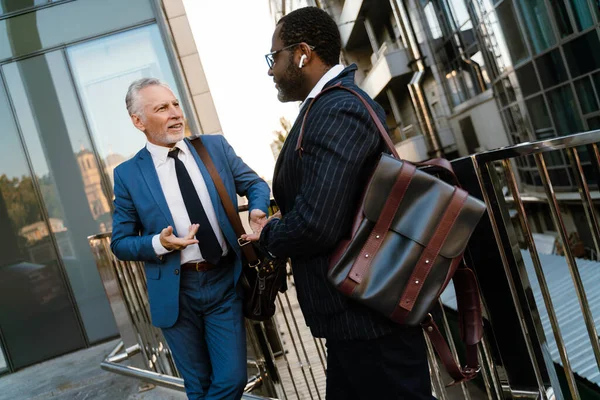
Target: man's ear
[
  {"x": 137, "y": 122},
  {"x": 305, "y": 51}
]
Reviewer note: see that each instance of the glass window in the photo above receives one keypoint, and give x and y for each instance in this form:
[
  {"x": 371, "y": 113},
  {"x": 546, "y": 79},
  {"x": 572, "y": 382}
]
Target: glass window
[
  {"x": 596, "y": 80},
  {"x": 477, "y": 58},
  {"x": 501, "y": 93},
  {"x": 432, "y": 21},
  {"x": 582, "y": 54},
  {"x": 558, "y": 176},
  {"x": 581, "y": 12},
  {"x": 27, "y": 33},
  {"x": 537, "y": 24},
  {"x": 509, "y": 120},
  {"x": 551, "y": 69},
  {"x": 37, "y": 317},
  {"x": 459, "y": 13},
  {"x": 528, "y": 80},
  {"x": 3, "y": 363},
  {"x": 538, "y": 113},
  {"x": 564, "y": 111},
  {"x": 102, "y": 83},
  {"x": 593, "y": 123},
  {"x": 562, "y": 17},
  {"x": 512, "y": 34},
  {"x": 58, "y": 143},
  {"x": 585, "y": 93}
]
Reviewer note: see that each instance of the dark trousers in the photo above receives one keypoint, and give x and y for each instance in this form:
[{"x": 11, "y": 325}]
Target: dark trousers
[
  {"x": 208, "y": 341},
  {"x": 390, "y": 367}
]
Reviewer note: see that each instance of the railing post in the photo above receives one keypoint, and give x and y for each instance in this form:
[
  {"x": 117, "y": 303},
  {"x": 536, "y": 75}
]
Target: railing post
[{"x": 512, "y": 323}]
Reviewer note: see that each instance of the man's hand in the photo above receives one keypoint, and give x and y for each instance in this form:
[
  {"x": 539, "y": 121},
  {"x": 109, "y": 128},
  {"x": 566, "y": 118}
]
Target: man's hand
[
  {"x": 258, "y": 219},
  {"x": 254, "y": 237},
  {"x": 172, "y": 242}
]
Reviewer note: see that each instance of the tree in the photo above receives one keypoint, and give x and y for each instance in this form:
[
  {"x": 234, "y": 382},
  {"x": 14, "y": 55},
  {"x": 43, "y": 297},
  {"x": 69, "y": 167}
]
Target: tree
[{"x": 280, "y": 136}]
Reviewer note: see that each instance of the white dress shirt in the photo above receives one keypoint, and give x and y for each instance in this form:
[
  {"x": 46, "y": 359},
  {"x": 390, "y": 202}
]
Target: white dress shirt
[
  {"x": 329, "y": 75},
  {"x": 165, "y": 168}
]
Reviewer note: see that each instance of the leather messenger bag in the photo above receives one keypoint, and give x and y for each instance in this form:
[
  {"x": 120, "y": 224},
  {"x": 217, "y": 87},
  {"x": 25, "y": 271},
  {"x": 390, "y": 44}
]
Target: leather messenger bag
[{"x": 407, "y": 242}]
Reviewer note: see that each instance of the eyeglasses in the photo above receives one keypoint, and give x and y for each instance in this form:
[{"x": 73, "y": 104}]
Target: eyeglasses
[{"x": 271, "y": 56}]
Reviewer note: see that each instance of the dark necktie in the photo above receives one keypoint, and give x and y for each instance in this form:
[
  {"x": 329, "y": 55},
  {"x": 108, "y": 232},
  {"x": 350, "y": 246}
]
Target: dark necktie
[{"x": 209, "y": 245}]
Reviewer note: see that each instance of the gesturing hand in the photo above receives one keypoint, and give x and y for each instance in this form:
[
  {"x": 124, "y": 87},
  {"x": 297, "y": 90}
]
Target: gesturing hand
[
  {"x": 172, "y": 242},
  {"x": 255, "y": 236}
]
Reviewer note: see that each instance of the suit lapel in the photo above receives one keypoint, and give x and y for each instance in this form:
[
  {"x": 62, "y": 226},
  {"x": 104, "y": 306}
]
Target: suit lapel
[{"x": 148, "y": 172}]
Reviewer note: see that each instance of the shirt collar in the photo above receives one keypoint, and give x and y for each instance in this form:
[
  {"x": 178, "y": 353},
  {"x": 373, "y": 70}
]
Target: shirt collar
[
  {"x": 329, "y": 75},
  {"x": 159, "y": 153}
]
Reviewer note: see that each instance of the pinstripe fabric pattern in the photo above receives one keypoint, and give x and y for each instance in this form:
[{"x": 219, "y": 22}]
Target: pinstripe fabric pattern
[{"x": 318, "y": 196}]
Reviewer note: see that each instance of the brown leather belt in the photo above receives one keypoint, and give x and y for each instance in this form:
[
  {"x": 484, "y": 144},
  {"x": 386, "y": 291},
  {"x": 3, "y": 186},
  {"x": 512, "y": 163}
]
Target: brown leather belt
[{"x": 200, "y": 266}]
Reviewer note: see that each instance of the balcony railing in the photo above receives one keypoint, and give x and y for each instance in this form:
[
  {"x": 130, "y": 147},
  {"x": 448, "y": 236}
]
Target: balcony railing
[
  {"x": 538, "y": 308},
  {"x": 388, "y": 63}
]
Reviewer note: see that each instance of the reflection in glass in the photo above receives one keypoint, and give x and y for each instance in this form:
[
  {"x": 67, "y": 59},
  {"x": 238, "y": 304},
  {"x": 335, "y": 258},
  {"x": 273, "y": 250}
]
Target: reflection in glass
[
  {"x": 460, "y": 14},
  {"x": 65, "y": 23},
  {"x": 586, "y": 95},
  {"x": 102, "y": 83},
  {"x": 593, "y": 123},
  {"x": 564, "y": 111},
  {"x": 528, "y": 80},
  {"x": 3, "y": 364},
  {"x": 8, "y": 6},
  {"x": 596, "y": 80},
  {"x": 432, "y": 20},
  {"x": 510, "y": 29},
  {"x": 537, "y": 23},
  {"x": 582, "y": 54},
  {"x": 58, "y": 143},
  {"x": 581, "y": 13},
  {"x": 562, "y": 17},
  {"x": 551, "y": 69},
  {"x": 38, "y": 319},
  {"x": 538, "y": 113}
]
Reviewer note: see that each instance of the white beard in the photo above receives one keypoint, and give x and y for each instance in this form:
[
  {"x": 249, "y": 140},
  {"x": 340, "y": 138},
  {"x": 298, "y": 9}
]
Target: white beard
[{"x": 166, "y": 138}]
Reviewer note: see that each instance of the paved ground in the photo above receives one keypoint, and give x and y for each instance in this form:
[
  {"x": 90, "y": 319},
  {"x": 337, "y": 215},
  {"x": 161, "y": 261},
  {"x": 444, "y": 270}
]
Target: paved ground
[
  {"x": 299, "y": 359},
  {"x": 78, "y": 376}
]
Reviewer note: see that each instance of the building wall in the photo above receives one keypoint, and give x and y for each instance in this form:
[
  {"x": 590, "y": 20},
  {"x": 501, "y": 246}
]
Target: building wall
[{"x": 486, "y": 121}]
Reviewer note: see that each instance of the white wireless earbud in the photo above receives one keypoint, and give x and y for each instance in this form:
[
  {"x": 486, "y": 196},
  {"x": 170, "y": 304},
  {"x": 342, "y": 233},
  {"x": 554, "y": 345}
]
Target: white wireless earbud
[{"x": 301, "y": 64}]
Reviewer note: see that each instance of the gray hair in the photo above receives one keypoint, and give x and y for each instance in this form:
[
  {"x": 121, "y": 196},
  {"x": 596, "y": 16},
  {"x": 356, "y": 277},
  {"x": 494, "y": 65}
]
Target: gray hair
[{"x": 133, "y": 93}]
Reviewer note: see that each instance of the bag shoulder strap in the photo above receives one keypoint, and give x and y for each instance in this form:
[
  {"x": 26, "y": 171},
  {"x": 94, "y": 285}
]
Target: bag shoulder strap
[
  {"x": 470, "y": 324},
  {"x": 232, "y": 214},
  {"x": 382, "y": 131}
]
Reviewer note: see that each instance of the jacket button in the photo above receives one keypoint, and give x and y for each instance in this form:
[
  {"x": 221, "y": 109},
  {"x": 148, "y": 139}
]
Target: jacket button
[{"x": 176, "y": 272}]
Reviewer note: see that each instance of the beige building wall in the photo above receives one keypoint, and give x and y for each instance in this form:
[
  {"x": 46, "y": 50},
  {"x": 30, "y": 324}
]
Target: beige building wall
[
  {"x": 486, "y": 120},
  {"x": 189, "y": 59}
]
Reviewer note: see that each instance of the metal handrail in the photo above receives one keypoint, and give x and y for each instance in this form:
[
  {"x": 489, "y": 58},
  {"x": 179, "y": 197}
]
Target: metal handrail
[
  {"x": 492, "y": 171},
  {"x": 541, "y": 146}
]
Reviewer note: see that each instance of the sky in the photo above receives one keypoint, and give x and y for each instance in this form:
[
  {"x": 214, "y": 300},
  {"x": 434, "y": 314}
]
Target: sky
[{"x": 232, "y": 38}]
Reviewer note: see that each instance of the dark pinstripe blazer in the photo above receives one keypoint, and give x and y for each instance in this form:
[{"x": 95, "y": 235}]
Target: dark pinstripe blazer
[{"x": 318, "y": 196}]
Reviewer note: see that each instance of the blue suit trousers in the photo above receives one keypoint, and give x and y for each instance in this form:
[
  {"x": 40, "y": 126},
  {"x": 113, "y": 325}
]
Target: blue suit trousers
[{"x": 208, "y": 341}]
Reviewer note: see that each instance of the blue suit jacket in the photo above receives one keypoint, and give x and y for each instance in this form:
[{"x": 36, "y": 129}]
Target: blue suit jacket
[{"x": 141, "y": 211}]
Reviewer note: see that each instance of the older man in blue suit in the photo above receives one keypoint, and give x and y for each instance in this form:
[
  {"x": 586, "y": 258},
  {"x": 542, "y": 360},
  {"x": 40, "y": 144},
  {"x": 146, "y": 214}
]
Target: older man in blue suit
[{"x": 169, "y": 215}]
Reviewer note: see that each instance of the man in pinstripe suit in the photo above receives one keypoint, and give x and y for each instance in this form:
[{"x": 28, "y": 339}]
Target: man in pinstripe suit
[{"x": 368, "y": 355}]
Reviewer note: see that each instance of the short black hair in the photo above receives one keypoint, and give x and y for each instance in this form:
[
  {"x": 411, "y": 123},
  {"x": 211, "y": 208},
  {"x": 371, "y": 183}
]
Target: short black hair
[{"x": 315, "y": 27}]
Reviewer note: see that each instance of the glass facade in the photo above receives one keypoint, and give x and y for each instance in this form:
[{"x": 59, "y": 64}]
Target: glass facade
[
  {"x": 456, "y": 49},
  {"x": 542, "y": 60},
  {"x": 65, "y": 129}
]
